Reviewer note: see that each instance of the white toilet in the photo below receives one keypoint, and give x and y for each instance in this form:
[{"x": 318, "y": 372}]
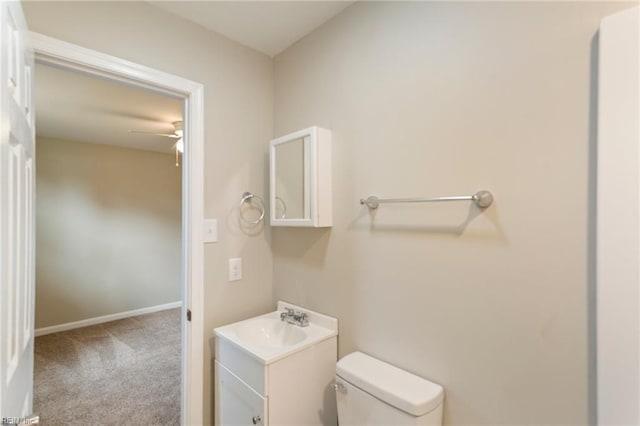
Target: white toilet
[{"x": 372, "y": 392}]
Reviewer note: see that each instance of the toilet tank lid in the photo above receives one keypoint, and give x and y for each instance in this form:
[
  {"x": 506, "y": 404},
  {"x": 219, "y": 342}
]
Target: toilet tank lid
[{"x": 396, "y": 387}]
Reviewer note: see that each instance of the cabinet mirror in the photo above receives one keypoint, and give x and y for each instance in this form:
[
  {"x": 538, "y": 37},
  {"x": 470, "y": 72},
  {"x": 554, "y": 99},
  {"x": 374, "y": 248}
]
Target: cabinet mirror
[{"x": 300, "y": 179}]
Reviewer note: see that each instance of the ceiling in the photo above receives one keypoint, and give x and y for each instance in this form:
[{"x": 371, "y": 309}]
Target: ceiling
[
  {"x": 77, "y": 107},
  {"x": 267, "y": 26},
  {"x": 81, "y": 108}
]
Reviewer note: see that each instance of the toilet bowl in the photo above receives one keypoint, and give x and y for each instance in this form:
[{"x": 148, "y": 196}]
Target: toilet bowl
[{"x": 372, "y": 392}]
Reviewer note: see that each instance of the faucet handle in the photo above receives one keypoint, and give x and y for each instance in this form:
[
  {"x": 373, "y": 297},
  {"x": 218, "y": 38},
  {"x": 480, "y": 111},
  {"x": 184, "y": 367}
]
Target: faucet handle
[
  {"x": 288, "y": 313},
  {"x": 303, "y": 319}
]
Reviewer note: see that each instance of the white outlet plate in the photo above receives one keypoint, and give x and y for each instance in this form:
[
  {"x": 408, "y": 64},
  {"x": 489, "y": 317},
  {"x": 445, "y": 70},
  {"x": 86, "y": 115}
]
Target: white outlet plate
[
  {"x": 235, "y": 269},
  {"x": 210, "y": 230}
]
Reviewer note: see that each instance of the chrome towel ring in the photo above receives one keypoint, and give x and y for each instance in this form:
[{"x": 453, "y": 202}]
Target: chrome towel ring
[{"x": 250, "y": 198}]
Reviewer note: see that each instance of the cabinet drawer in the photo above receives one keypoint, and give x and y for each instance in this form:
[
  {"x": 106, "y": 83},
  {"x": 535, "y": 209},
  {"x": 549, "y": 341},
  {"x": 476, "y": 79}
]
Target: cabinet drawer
[{"x": 237, "y": 404}]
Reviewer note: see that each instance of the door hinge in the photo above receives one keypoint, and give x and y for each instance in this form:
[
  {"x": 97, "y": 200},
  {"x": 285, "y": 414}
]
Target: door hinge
[{"x": 188, "y": 314}]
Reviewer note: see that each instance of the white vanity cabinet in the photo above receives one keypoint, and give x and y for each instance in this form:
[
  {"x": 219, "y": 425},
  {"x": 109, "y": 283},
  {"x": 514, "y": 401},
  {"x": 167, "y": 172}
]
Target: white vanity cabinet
[
  {"x": 291, "y": 391},
  {"x": 268, "y": 372}
]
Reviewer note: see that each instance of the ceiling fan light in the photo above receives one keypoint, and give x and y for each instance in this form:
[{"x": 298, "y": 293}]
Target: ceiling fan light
[{"x": 180, "y": 146}]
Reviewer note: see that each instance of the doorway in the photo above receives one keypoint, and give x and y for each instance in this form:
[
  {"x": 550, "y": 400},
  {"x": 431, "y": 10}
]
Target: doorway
[
  {"x": 108, "y": 224},
  {"x": 57, "y": 53}
]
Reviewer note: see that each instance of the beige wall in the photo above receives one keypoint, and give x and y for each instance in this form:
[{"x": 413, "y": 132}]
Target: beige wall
[
  {"x": 108, "y": 224},
  {"x": 442, "y": 99},
  {"x": 238, "y": 126}
]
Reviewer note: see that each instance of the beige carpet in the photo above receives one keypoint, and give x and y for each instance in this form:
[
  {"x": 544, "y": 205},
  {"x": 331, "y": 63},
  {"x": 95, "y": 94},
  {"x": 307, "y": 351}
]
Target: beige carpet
[{"x": 124, "y": 372}]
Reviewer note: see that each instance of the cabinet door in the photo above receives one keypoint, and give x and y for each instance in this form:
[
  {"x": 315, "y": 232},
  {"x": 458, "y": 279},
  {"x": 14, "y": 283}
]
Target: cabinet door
[{"x": 237, "y": 404}]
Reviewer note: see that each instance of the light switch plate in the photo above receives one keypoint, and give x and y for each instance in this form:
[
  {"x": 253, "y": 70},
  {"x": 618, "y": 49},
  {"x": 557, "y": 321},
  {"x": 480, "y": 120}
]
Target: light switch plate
[{"x": 210, "y": 230}]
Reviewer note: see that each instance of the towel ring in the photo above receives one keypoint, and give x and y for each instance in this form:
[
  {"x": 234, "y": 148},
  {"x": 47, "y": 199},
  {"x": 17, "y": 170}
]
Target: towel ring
[{"x": 249, "y": 197}]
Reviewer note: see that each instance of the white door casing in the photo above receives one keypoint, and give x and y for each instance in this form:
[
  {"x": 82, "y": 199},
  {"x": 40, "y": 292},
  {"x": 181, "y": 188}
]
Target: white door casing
[
  {"x": 56, "y": 52},
  {"x": 618, "y": 220},
  {"x": 17, "y": 236}
]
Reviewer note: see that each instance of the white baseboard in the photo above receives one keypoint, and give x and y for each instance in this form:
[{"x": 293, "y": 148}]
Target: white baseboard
[{"x": 105, "y": 318}]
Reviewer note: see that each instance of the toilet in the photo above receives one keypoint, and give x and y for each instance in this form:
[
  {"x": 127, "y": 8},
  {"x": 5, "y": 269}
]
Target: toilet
[{"x": 372, "y": 392}]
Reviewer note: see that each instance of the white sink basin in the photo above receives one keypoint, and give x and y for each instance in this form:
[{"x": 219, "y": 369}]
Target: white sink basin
[
  {"x": 269, "y": 332},
  {"x": 267, "y": 339}
]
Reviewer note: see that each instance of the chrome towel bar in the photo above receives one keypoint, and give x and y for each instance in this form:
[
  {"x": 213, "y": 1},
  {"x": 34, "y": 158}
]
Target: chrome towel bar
[{"x": 482, "y": 199}]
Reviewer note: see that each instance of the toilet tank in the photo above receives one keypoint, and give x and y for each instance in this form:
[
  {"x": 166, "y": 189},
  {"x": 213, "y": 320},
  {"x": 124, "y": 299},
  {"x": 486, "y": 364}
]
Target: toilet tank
[{"x": 372, "y": 392}]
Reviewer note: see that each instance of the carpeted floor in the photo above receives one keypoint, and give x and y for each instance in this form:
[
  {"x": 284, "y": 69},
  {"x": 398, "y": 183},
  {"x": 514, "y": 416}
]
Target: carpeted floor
[{"x": 124, "y": 372}]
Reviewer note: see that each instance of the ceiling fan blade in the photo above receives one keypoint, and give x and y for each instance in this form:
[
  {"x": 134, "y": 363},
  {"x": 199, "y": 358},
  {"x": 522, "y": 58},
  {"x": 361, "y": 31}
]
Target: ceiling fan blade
[{"x": 167, "y": 135}]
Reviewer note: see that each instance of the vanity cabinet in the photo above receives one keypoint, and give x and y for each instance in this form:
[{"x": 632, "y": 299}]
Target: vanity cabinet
[
  {"x": 300, "y": 192},
  {"x": 269, "y": 372},
  {"x": 295, "y": 390}
]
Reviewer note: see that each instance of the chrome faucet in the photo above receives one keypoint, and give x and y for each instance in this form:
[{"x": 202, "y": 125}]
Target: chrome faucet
[
  {"x": 288, "y": 313},
  {"x": 294, "y": 317}
]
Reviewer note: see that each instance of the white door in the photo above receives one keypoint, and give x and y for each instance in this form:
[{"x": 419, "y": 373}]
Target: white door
[{"x": 16, "y": 215}]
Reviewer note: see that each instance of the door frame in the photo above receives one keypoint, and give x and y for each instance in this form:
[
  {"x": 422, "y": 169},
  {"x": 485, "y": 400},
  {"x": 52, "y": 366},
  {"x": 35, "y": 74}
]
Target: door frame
[
  {"x": 59, "y": 53},
  {"x": 618, "y": 221}
]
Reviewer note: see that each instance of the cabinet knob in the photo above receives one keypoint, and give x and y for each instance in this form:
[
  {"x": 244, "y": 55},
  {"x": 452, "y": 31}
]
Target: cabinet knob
[{"x": 256, "y": 419}]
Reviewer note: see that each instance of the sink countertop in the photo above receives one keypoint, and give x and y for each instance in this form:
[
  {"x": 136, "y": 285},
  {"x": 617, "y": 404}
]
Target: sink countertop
[{"x": 259, "y": 338}]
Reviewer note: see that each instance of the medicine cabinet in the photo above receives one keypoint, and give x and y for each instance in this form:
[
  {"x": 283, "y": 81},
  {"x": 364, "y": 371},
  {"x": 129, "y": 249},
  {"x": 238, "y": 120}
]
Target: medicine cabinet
[{"x": 300, "y": 179}]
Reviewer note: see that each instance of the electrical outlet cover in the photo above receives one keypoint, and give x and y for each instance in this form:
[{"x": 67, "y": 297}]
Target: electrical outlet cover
[{"x": 235, "y": 269}]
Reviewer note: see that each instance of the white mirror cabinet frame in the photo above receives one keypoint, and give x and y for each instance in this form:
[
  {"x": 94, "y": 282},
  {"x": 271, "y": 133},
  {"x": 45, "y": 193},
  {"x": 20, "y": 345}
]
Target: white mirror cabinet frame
[{"x": 317, "y": 176}]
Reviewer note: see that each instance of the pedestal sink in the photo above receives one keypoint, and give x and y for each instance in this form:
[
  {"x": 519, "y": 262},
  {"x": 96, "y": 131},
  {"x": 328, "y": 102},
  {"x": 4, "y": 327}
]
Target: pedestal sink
[{"x": 270, "y": 371}]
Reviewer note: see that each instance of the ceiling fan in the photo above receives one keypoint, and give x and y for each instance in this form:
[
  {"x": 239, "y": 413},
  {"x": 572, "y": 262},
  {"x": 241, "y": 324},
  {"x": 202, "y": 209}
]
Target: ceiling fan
[{"x": 177, "y": 134}]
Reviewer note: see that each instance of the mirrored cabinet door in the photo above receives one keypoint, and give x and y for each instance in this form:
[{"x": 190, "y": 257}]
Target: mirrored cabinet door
[
  {"x": 300, "y": 179},
  {"x": 292, "y": 179}
]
